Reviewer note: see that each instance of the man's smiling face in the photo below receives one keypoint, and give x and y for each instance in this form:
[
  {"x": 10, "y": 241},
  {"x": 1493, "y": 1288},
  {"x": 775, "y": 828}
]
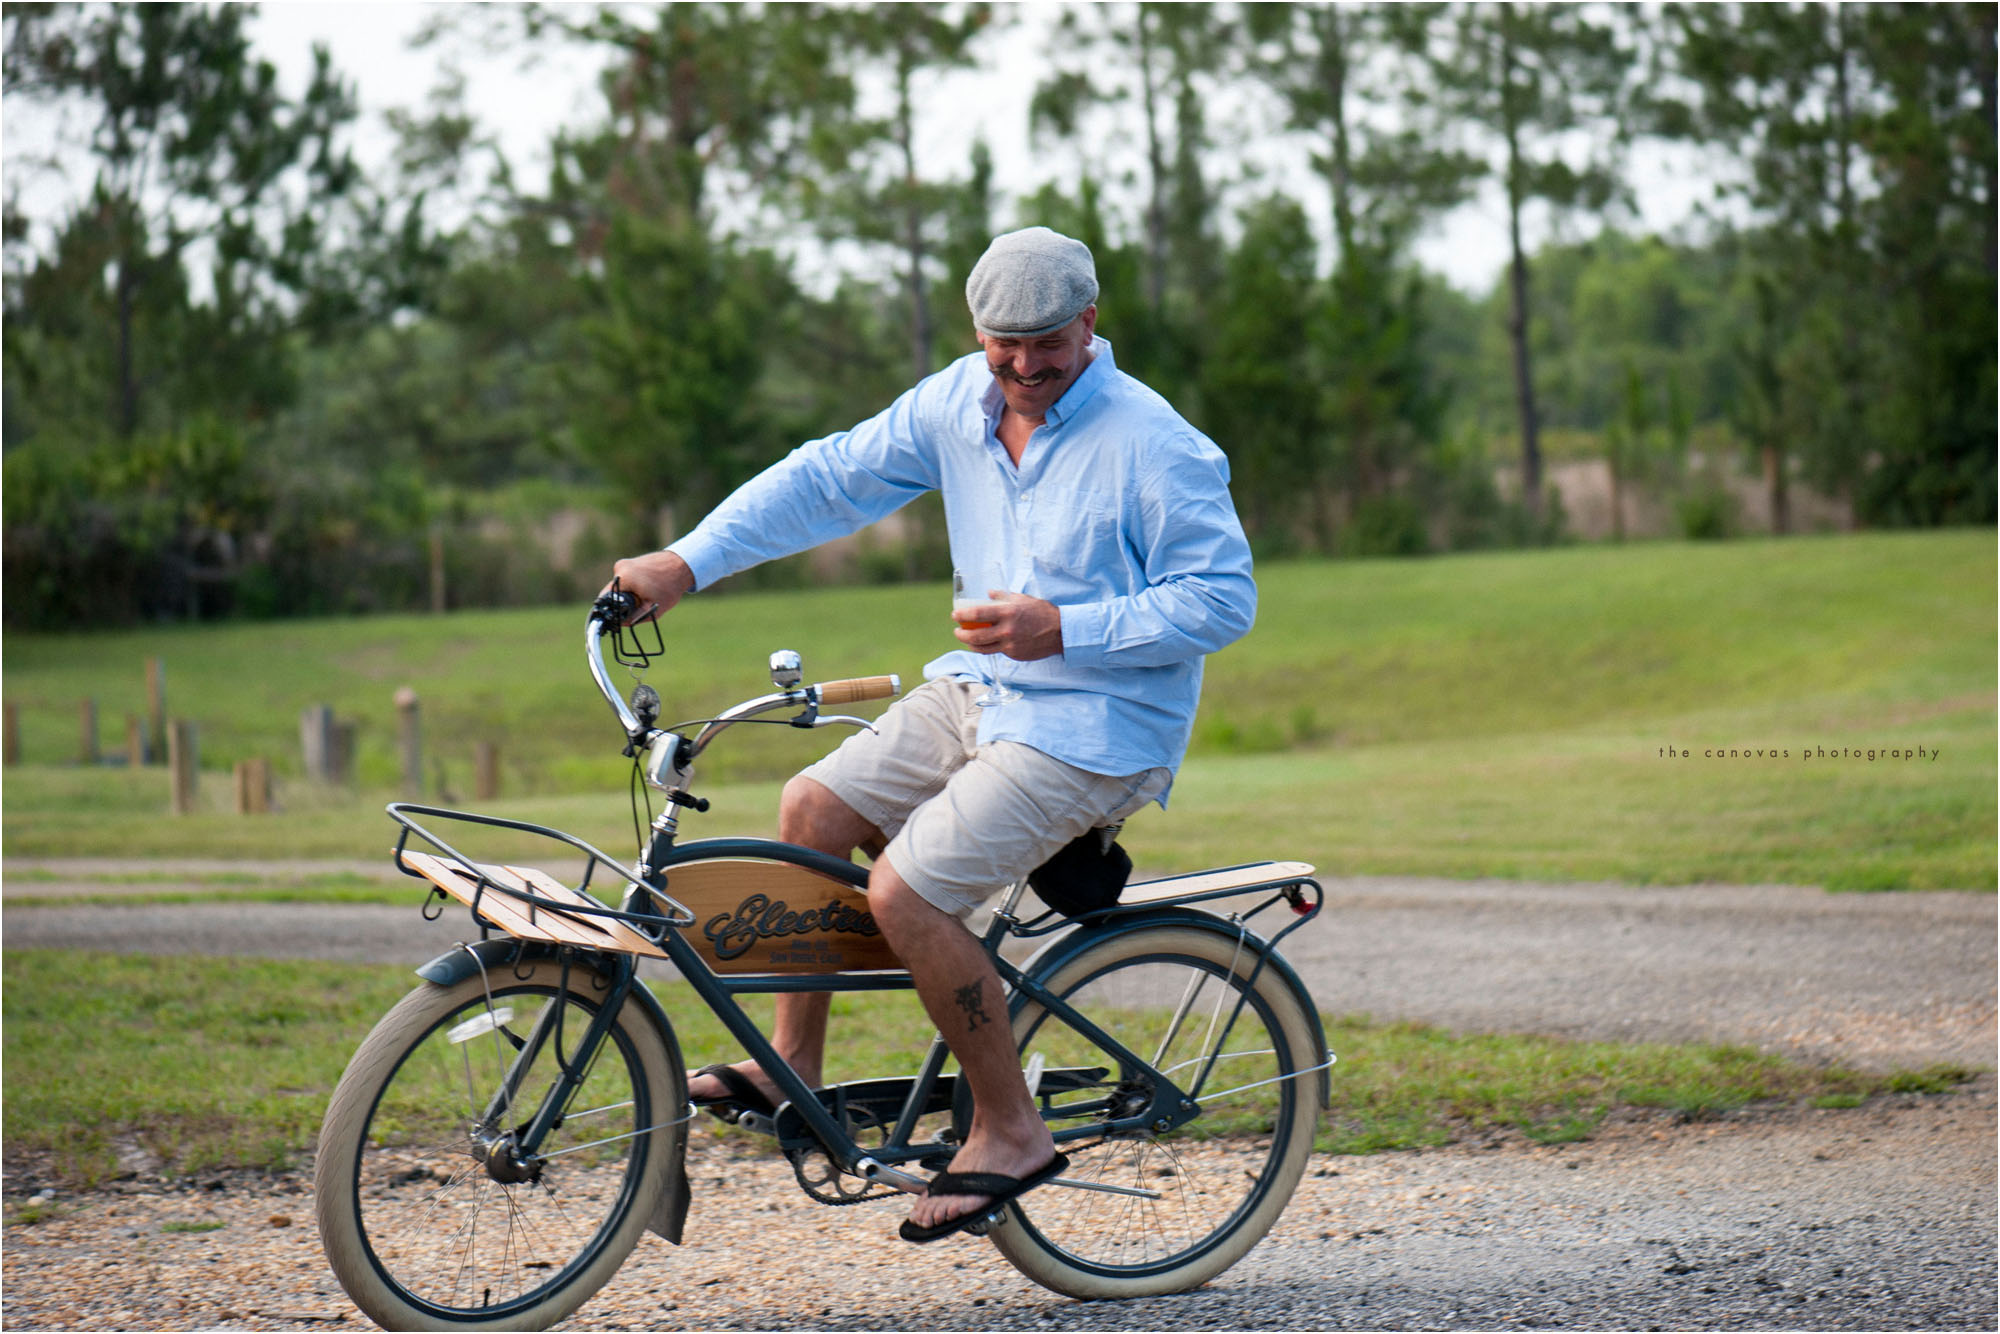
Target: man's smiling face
[{"x": 1035, "y": 372}]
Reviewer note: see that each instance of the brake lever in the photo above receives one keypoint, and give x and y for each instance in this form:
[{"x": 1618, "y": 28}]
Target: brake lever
[{"x": 829, "y": 719}]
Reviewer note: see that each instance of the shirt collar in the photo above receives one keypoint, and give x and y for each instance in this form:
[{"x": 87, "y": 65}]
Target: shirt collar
[{"x": 1094, "y": 375}]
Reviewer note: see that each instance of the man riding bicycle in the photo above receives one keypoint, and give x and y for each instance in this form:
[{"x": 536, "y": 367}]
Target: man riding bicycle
[{"x": 1123, "y": 565}]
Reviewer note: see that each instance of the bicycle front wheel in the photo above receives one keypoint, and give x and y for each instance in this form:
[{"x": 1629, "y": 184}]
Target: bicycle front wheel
[
  {"x": 1180, "y": 1207},
  {"x": 430, "y": 1219}
]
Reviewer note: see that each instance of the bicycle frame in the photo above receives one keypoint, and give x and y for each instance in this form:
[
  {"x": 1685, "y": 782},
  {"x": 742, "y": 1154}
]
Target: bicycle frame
[{"x": 663, "y": 921}]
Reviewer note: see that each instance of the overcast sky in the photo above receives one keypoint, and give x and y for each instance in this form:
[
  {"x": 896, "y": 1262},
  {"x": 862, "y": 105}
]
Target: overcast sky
[{"x": 369, "y": 41}]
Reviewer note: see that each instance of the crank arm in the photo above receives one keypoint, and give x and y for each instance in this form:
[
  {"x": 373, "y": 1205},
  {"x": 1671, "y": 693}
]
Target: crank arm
[{"x": 884, "y": 1175}]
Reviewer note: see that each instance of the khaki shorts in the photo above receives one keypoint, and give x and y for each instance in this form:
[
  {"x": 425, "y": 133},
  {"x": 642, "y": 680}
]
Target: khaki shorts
[{"x": 964, "y": 821}]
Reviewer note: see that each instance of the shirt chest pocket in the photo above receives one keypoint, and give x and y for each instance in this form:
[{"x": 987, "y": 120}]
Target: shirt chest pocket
[{"x": 1075, "y": 540}]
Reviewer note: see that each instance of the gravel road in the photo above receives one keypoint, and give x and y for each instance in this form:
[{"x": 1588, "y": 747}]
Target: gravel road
[{"x": 1879, "y": 1217}]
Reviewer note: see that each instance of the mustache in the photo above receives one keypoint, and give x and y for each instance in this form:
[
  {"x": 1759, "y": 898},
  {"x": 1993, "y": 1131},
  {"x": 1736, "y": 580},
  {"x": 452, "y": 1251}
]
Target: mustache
[{"x": 1007, "y": 373}]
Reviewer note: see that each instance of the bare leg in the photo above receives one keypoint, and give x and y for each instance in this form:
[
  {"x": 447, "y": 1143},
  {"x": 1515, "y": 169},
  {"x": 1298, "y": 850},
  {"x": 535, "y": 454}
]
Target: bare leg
[
  {"x": 811, "y": 816},
  {"x": 964, "y": 998}
]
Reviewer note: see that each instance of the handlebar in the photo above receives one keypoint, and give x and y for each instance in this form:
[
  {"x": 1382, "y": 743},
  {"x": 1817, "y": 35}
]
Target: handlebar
[
  {"x": 610, "y": 610},
  {"x": 609, "y": 614}
]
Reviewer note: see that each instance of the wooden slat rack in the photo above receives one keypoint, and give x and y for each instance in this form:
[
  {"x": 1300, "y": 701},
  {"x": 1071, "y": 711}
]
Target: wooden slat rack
[{"x": 543, "y": 920}]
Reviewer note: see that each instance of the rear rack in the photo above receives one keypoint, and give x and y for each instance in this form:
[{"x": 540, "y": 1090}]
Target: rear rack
[{"x": 1287, "y": 882}]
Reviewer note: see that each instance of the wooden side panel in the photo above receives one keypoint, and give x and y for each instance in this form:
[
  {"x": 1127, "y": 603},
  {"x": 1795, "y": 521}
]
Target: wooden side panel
[{"x": 755, "y": 916}]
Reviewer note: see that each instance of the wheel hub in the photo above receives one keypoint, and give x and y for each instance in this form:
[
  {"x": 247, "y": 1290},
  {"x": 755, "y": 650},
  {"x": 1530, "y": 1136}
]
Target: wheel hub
[{"x": 496, "y": 1153}]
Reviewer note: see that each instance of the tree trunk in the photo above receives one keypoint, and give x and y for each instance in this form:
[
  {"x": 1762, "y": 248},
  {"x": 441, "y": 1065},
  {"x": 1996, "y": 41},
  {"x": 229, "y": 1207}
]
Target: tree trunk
[
  {"x": 1333, "y": 61},
  {"x": 1775, "y": 487},
  {"x": 1980, "y": 43},
  {"x": 1524, "y": 376},
  {"x": 128, "y": 386},
  {"x": 913, "y": 227},
  {"x": 920, "y": 307},
  {"x": 1517, "y": 319},
  {"x": 1156, "y": 210}
]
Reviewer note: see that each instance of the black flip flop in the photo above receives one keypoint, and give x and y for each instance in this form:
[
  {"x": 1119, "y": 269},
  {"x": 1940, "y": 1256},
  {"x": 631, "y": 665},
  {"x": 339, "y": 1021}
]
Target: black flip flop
[
  {"x": 742, "y": 1094},
  {"x": 1000, "y": 1188}
]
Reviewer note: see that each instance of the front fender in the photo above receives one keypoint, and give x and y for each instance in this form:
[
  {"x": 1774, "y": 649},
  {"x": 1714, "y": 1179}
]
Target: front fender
[
  {"x": 498, "y": 953},
  {"x": 1067, "y": 946}
]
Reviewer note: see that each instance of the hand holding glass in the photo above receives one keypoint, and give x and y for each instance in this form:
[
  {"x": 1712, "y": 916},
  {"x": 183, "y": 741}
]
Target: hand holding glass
[{"x": 964, "y": 595}]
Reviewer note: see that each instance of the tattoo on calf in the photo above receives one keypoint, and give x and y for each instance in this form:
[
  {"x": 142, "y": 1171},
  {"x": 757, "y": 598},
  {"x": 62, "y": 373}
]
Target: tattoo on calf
[{"x": 970, "y": 1001}]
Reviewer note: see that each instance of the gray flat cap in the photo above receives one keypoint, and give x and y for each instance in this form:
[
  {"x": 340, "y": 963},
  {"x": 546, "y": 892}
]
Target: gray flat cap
[{"x": 1029, "y": 283}]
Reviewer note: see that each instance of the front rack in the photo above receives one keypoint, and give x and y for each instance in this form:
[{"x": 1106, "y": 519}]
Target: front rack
[{"x": 528, "y": 903}]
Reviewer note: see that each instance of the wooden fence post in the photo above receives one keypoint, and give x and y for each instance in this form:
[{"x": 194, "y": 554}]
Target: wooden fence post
[
  {"x": 13, "y": 738},
  {"x": 156, "y": 704},
  {"x": 486, "y": 770},
  {"x": 253, "y": 786},
  {"x": 410, "y": 742},
  {"x": 316, "y": 740},
  {"x": 184, "y": 762},
  {"x": 86, "y": 731}
]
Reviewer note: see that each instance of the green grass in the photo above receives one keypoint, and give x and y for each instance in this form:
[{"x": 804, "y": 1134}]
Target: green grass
[
  {"x": 207, "y": 1063},
  {"x": 1491, "y": 715}
]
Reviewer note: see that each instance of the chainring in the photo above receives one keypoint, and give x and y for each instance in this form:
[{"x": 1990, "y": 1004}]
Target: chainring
[{"x": 818, "y": 1175}]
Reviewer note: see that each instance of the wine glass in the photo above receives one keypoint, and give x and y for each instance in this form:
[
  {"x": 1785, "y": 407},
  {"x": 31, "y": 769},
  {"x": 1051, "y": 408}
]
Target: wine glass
[{"x": 965, "y": 594}]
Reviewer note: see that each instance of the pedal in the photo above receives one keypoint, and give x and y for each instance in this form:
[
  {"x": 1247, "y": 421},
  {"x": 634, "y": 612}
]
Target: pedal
[
  {"x": 757, "y": 1123},
  {"x": 988, "y": 1223},
  {"x": 741, "y": 1117}
]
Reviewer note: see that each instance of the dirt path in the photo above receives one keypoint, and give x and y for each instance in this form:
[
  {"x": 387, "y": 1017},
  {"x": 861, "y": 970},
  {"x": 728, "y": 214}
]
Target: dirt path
[{"x": 1880, "y": 1217}]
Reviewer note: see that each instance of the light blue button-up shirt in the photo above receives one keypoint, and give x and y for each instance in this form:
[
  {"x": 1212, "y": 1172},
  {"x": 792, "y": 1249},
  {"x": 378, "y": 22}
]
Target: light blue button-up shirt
[{"x": 1118, "y": 513}]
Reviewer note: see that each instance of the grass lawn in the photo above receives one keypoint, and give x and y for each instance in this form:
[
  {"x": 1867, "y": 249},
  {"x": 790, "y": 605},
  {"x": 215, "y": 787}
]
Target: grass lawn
[{"x": 1659, "y": 713}]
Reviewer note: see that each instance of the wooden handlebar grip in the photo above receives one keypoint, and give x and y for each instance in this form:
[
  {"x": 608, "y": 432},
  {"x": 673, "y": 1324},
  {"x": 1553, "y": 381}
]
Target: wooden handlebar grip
[{"x": 855, "y": 690}]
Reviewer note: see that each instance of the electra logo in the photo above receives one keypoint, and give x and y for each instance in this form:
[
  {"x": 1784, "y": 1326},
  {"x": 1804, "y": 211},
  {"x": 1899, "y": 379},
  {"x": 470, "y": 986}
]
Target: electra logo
[{"x": 760, "y": 917}]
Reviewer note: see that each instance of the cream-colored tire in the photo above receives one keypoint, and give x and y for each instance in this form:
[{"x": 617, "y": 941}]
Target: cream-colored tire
[
  {"x": 1211, "y": 1188},
  {"x": 420, "y": 1233}
]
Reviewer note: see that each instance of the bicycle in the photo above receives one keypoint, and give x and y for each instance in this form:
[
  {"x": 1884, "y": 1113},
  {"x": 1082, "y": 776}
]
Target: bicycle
[{"x": 505, "y": 1134}]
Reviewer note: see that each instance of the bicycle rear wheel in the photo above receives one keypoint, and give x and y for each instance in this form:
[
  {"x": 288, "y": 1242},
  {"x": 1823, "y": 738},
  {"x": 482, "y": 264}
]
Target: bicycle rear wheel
[
  {"x": 420, "y": 1232},
  {"x": 1198, "y": 1196}
]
